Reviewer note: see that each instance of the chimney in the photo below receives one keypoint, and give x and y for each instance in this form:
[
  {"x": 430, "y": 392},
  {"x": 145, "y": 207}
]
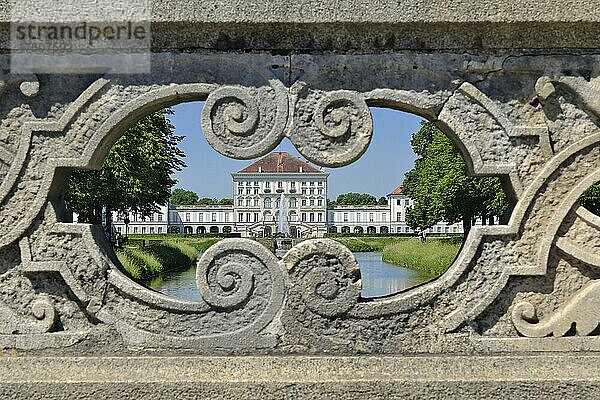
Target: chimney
[{"x": 259, "y": 168}]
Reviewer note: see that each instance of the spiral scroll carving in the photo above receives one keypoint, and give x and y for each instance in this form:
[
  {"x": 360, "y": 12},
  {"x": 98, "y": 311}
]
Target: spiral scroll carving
[
  {"x": 329, "y": 274},
  {"x": 244, "y": 123},
  {"x": 582, "y": 311},
  {"x": 44, "y": 318},
  {"x": 334, "y": 131},
  {"x": 223, "y": 280}
]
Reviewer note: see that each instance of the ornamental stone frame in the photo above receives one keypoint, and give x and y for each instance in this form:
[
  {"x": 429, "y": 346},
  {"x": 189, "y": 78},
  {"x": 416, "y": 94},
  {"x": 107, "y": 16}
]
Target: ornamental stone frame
[{"x": 530, "y": 117}]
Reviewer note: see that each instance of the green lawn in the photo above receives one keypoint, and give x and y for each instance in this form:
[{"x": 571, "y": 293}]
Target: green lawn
[{"x": 433, "y": 257}]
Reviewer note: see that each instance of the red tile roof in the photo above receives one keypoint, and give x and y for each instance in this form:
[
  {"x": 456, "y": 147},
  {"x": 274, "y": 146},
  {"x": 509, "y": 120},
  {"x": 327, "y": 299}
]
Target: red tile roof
[
  {"x": 280, "y": 162},
  {"x": 397, "y": 191}
]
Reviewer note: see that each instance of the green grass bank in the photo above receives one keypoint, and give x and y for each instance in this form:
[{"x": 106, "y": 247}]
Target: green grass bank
[
  {"x": 432, "y": 258},
  {"x": 145, "y": 258}
]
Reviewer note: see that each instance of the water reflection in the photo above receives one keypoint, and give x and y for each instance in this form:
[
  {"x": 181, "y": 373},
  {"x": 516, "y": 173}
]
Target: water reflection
[{"x": 378, "y": 279}]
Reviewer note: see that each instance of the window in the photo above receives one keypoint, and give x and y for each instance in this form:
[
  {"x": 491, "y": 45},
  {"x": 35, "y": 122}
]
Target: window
[
  {"x": 152, "y": 217},
  {"x": 119, "y": 229},
  {"x": 312, "y": 202},
  {"x": 312, "y": 217},
  {"x": 398, "y": 202},
  {"x": 248, "y": 190},
  {"x": 248, "y": 202},
  {"x": 255, "y": 217},
  {"x": 241, "y": 190},
  {"x": 255, "y": 190},
  {"x": 312, "y": 191},
  {"x": 345, "y": 217},
  {"x": 293, "y": 185},
  {"x": 268, "y": 202},
  {"x": 303, "y": 191},
  {"x": 267, "y": 216},
  {"x": 320, "y": 183},
  {"x": 188, "y": 217},
  {"x": 248, "y": 215},
  {"x": 319, "y": 191},
  {"x": 226, "y": 217},
  {"x": 255, "y": 202},
  {"x": 292, "y": 216},
  {"x": 320, "y": 202},
  {"x": 398, "y": 230},
  {"x": 384, "y": 217},
  {"x": 267, "y": 184},
  {"x": 159, "y": 229},
  {"x": 214, "y": 217},
  {"x": 240, "y": 217},
  {"x": 303, "y": 202},
  {"x": 303, "y": 183},
  {"x": 398, "y": 216},
  {"x": 159, "y": 217},
  {"x": 151, "y": 229},
  {"x": 293, "y": 203},
  {"x": 370, "y": 217},
  {"x": 279, "y": 184},
  {"x": 240, "y": 202},
  {"x": 312, "y": 184},
  {"x": 303, "y": 217},
  {"x": 320, "y": 217},
  {"x": 357, "y": 217},
  {"x": 135, "y": 229},
  {"x": 201, "y": 217}
]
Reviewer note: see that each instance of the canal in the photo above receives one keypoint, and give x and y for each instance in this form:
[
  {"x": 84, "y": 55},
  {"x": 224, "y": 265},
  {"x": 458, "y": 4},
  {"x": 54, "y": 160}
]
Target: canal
[{"x": 378, "y": 279}]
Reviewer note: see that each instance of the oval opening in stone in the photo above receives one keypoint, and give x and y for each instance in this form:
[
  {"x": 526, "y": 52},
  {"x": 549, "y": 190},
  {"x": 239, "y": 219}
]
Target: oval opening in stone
[{"x": 380, "y": 206}]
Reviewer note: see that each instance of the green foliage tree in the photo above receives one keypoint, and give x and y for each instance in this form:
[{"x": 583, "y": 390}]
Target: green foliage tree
[
  {"x": 356, "y": 199},
  {"x": 135, "y": 176},
  {"x": 226, "y": 202},
  {"x": 382, "y": 201},
  {"x": 441, "y": 188},
  {"x": 207, "y": 201},
  {"x": 183, "y": 197},
  {"x": 590, "y": 199}
]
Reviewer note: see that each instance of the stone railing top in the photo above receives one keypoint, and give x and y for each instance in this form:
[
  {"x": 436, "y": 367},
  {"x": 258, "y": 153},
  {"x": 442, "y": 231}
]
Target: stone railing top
[
  {"x": 316, "y": 11},
  {"x": 339, "y": 25}
]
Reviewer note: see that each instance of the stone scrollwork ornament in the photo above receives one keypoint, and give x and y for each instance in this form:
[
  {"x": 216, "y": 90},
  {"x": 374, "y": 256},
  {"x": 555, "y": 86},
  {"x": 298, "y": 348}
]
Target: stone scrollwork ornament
[
  {"x": 329, "y": 275},
  {"x": 245, "y": 123},
  {"x": 581, "y": 312},
  {"x": 333, "y": 130}
]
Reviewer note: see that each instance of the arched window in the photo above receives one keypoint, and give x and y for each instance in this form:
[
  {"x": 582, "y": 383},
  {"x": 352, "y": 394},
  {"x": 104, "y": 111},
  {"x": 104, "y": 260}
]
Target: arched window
[
  {"x": 293, "y": 216},
  {"x": 268, "y": 202},
  {"x": 293, "y": 202},
  {"x": 268, "y": 216}
]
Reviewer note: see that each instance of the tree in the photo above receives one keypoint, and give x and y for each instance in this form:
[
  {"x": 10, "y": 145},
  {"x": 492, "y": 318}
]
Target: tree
[
  {"x": 441, "y": 188},
  {"x": 590, "y": 199},
  {"x": 207, "y": 201},
  {"x": 226, "y": 202},
  {"x": 183, "y": 197},
  {"x": 382, "y": 201},
  {"x": 135, "y": 176},
  {"x": 356, "y": 199}
]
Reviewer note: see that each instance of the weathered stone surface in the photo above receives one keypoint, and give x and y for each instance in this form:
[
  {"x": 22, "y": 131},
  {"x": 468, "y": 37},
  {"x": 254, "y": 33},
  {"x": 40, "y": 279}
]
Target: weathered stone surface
[{"x": 516, "y": 88}]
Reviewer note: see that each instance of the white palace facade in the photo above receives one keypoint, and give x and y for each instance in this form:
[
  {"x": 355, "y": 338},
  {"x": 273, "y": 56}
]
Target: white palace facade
[{"x": 258, "y": 191}]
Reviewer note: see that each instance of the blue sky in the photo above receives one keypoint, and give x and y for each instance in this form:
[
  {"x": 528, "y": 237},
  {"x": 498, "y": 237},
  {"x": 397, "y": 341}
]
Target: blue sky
[{"x": 378, "y": 171}]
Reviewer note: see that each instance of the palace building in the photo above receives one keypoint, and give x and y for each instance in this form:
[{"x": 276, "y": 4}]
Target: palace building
[{"x": 278, "y": 186}]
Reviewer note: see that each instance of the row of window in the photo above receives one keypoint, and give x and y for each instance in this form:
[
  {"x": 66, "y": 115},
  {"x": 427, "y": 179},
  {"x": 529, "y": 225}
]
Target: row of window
[
  {"x": 213, "y": 217},
  {"x": 135, "y": 217},
  {"x": 248, "y": 190},
  {"x": 370, "y": 217},
  {"x": 268, "y": 202},
  {"x": 142, "y": 229},
  {"x": 292, "y": 217},
  {"x": 280, "y": 183}
]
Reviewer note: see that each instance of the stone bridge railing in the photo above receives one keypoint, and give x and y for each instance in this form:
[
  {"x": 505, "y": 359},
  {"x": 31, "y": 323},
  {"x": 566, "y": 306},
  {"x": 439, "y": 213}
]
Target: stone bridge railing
[{"x": 528, "y": 116}]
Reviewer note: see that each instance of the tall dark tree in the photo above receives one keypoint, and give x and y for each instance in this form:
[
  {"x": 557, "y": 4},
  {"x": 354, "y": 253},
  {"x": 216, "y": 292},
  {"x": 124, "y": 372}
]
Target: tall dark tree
[
  {"x": 135, "y": 176},
  {"x": 441, "y": 188}
]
